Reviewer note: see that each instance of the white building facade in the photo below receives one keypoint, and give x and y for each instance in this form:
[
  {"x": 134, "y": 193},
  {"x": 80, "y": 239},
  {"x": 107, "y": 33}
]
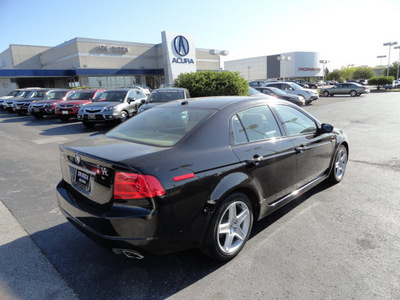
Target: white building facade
[{"x": 291, "y": 65}]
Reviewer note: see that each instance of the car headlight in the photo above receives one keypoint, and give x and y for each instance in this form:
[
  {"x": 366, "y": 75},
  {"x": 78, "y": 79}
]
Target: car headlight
[
  {"x": 78, "y": 105},
  {"x": 107, "y": 108}
]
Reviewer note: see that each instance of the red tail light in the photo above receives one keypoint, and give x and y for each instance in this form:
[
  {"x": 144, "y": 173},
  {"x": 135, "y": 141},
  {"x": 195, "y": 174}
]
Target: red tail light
[{"x": 135, "y": 186}]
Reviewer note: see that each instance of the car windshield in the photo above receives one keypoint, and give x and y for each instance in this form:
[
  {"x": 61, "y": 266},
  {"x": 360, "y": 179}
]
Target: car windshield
[
  {"x": 13, "y": 93},
  {"x": 160, "y": 126},
  {"x": 165, "y": 96},
  {"x": 296, "y": 86},
  {"x": 253, "y": 91},
  {"x": 22, "y": 94},
  {"x": 111, "y": 96},
  {"x": 80, "y": 95},
  {"x": 54, "y": 95}
]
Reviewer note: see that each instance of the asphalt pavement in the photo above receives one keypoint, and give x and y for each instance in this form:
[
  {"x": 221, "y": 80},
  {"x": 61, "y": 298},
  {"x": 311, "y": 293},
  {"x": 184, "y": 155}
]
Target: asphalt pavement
[{"x": 334, "y": 242}]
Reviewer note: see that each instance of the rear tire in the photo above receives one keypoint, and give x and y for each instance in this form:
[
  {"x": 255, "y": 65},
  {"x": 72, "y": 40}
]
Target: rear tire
[
  {"x": 325, "y": 93},
  {"x": 230, "y": 228},
  {"x": 353, "y": 93}
]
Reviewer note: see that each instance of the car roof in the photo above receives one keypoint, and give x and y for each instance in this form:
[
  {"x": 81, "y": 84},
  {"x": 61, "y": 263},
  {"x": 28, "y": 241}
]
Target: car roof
[
  {"x": 219, "y": 102},
  {"x": 173, "y": 89}
]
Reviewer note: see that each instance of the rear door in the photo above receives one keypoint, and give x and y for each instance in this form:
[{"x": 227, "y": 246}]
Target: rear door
[{"x": 269, "y": 157}]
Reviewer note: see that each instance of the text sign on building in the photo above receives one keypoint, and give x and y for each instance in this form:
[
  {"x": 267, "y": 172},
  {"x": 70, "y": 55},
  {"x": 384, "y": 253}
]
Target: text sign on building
[
  {"x": 179, "y": 54},
  {"x": 112, "y": 49}
]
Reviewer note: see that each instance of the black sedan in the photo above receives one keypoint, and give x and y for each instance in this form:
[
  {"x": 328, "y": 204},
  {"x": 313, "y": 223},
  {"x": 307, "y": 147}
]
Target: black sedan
[
  {"x": 278, "y": 93},
  {"x": 195, "y": 173}
]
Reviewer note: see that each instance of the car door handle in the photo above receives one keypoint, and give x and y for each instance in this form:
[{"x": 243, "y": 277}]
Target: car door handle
[
  {"x": 255, "y": 161},
  {"x": 300, "y": 149}
]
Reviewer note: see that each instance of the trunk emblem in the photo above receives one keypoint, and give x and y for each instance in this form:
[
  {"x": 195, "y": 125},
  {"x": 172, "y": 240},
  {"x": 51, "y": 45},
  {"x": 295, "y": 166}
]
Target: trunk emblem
[{"x": 77, "y": 159}]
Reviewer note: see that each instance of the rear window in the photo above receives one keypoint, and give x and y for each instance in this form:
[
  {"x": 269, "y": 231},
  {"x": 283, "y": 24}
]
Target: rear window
[
  {"x": 165, "y": 96},
  {"x": 160, "y": 126},
  {"x": 55, "y": 95}
]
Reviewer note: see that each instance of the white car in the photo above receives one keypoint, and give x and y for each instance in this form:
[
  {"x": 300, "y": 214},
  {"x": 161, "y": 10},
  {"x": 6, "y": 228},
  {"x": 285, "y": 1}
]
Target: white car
[{"x": 308, "y": 95}]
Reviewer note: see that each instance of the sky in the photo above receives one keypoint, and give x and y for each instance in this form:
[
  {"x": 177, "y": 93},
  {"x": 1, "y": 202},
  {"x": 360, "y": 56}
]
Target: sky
[{"x": 344, "y": 32}]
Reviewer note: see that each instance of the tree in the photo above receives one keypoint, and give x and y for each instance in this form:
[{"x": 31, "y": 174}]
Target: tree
[
  {"x": 392, "y": 70},
  {"x": 380, "y": 81},
  {"x": 334, "y": 75},
  {"x": 363, "y": 73},
  {"x": 209, "y": 83}
]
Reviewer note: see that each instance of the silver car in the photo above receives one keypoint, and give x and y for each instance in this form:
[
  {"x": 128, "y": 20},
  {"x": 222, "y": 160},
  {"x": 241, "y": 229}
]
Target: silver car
[
  {"x": 112, "y": 106},
  {"x": 308, "y": 95}
]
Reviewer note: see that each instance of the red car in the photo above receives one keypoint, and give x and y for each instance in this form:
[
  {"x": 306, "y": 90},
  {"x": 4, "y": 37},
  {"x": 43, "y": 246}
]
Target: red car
[{"x": 74, "y": 102}]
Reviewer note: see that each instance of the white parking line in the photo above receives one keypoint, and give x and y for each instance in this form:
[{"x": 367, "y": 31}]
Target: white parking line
[{"x": 55, "y": 139}]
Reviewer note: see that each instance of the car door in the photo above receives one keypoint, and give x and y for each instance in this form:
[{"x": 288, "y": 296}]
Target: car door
[
  {"x": 314, "y": 150},
  {"x": 269, "y": 157}
]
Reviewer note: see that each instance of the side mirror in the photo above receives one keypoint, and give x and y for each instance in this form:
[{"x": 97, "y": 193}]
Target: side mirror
[{"x": 326, "y": 128}]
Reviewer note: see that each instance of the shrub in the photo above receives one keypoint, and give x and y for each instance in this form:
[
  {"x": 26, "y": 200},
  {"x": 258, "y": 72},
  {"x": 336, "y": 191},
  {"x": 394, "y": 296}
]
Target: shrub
[
  {"x": 209, "y": 83},
  {"x": 380, "y": 81}
]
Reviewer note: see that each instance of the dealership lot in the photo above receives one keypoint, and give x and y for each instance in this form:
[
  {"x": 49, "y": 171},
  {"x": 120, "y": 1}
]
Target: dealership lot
[{"x": 334, "y": 242}]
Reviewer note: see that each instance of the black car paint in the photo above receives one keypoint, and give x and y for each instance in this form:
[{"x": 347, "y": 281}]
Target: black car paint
[{"x": 179, "y": 219}]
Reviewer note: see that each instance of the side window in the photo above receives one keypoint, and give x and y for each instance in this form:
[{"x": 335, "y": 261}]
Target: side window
[
  {"x": 295, "y": 122},
  {"x": 237, "y": 132},
  {"x": 259, "y": 123},
  {"x": 131, "y": 95}
]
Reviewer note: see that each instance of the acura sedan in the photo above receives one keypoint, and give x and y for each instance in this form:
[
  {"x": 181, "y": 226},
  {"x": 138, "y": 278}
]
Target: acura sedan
[
  {"x": 347, "y": 88},
  {"x": 196, "y": 173}
]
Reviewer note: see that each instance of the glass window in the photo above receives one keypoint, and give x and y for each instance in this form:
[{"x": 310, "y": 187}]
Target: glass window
[
  {"x": 295, "y": 122},
  {"x": 113, "y": 96},
  {"x": 160, "y": 126},
  {"x": 238, "y": 135},
  {"x": 259, "y": 123},
  {"x": 165, "y": 96}
]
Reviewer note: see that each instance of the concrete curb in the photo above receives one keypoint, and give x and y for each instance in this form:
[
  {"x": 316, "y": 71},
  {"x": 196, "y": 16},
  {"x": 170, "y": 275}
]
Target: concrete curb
[{"x": 25, "y": 272}]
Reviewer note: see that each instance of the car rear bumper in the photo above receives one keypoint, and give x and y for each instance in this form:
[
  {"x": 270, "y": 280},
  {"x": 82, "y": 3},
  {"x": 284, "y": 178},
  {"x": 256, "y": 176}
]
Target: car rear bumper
[{"x": 118, "y": 227}]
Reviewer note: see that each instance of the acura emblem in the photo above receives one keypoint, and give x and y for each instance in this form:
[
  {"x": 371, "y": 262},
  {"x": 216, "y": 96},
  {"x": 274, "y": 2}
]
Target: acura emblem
[
  {"x": 77, "y": 159},
  {"x": 181, "y": 45}
]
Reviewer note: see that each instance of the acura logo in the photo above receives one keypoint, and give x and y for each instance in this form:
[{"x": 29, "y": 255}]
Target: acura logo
[
  {"x": 181, "y": 45},
  {"x": 77, "y": 159}
]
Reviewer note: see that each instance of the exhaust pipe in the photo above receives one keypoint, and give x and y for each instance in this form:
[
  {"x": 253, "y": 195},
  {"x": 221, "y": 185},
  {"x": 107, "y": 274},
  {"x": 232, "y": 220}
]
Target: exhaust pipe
[{"x": 129, "y": 253}]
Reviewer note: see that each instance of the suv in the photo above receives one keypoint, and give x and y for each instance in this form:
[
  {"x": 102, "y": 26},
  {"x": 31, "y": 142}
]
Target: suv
[
  {"x": 75, "y": 100},
  {"x": 160, "y": 96},
  {"x": 306, "y": 95},
  {"x": 112, "y": 106},
  {"x": 21, "y": 105},
  {"x": 47, "y": 105}
]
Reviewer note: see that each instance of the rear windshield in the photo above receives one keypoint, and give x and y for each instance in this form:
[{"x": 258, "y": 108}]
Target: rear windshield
[
  {"x": 165, "y": 96},
  {"x": 81, "y": 95},
  {"x": 160, "y": 126}
]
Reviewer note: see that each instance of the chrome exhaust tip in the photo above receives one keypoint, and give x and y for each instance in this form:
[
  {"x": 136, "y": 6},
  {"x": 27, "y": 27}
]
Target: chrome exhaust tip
[{"x": 129, "y": 253}]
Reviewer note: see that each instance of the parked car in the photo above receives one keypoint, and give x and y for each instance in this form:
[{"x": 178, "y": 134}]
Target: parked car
[
  {"x": 8, "y": 96},
  {"x": 111, "y": 106},
  {"x": 293, "y": 88},
  {"x": 277, "y": 93},
  {"x": 195, "y": 173},
  {"x": 312, "y": 85},
  {"x": 395, "y": 85},
  {"x": 353, "y": 89},
  {"x": 75, "y": 100},
  {"x": 21, "y": 105},
  {"x": 160, "y": 96},
  {"x": 301, "y": 83},
  {"x": 47, "y": 105},
  {"x": 257, "y": 83},
  {"x": 22, "y": 94},
  {"x": 166, "y": 85}
]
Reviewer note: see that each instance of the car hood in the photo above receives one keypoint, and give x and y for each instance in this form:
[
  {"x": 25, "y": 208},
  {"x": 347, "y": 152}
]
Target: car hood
[
  {"x": 49, "y": 101},
  {"x": 103, "y": 104},
  {"x": 75, "y": 102},
  {"x": 27, "y": 99}
]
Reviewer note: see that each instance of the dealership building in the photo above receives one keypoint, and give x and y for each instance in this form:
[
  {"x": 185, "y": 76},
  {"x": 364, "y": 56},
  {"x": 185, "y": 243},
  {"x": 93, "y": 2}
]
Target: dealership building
[
  {"x": 104, "y": 63},
  {"x": 292, "y": 65}
]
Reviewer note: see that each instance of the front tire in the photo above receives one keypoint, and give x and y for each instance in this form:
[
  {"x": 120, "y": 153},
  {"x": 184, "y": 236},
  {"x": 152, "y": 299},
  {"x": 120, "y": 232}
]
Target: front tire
[
  {"x": 339, "y": 165},
  {"x": 353, "y": 93},
  {"x": 123, "y": 116},
  {"x": 325, "y": 93},
  {"x": 230, "y": 228}
]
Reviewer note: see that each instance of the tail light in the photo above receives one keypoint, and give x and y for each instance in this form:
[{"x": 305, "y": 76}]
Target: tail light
[{"x": 136, "y": 186}]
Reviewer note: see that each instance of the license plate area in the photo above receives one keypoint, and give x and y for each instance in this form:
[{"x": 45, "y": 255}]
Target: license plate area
[
  {"x": 36, "y": 109},
  {"x": 82, "y": 180},
  {"x": 64, "y": 112},
  {"x": 91, "y": 116}
]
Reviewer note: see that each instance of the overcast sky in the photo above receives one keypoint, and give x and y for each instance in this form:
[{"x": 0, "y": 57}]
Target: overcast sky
[{"x": 343, "y": 31}]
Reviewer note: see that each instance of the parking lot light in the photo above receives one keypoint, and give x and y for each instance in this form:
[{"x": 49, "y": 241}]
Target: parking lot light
[
  {"x": 398, "y": 62},
  {"x": 283, "y": 58},
  {"x": 390, "y": 44},
  {"x": 323, "y": 62}
]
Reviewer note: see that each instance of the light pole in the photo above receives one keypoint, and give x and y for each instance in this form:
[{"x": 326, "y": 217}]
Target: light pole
[
  {"x": 323, "y": 62},
  {"x": 283, "y": 58},
  {"x": 381, "y": 56},
  {"x": 390, "y": 44},
  {"x": 398, "y": 63}
]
